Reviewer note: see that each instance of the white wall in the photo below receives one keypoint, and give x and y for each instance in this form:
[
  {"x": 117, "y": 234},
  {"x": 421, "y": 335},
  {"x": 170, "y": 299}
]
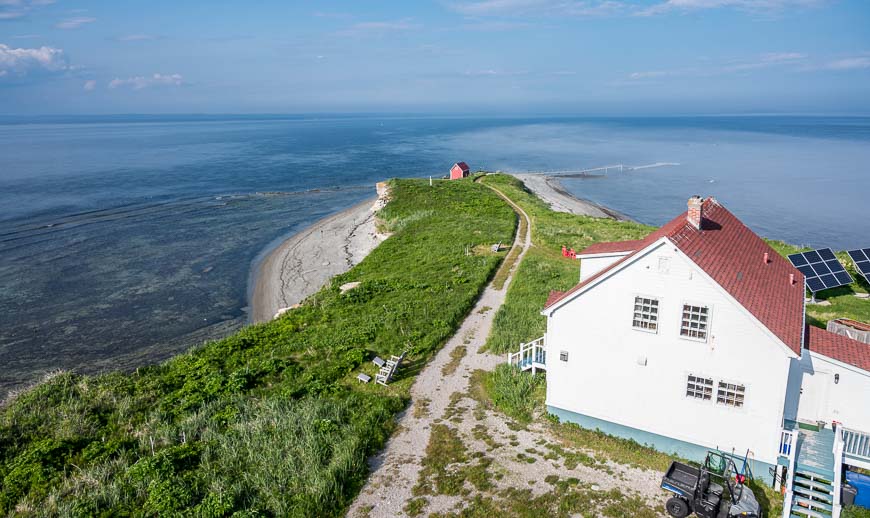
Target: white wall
[
  {"x": 592, "y": 264},
  {"x": 603, "y": 379},
  {"x": 847, "y": 400}
]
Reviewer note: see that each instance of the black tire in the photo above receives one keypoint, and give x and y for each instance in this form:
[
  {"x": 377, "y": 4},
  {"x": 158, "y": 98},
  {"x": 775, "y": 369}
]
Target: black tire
[{"x": 677, "y": 507}]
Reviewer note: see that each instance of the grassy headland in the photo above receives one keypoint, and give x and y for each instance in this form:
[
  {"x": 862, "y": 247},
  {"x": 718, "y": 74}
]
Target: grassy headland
[{"x": 271, "y": 420}]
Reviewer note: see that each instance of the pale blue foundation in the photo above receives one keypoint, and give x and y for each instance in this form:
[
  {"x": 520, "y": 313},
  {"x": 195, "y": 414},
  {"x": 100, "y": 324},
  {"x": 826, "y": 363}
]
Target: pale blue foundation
[{"x": 683, "y": 449}]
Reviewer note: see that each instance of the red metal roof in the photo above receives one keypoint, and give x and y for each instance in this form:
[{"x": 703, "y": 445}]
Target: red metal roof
[
  {"x": 462, "y": 165},
  {"x": 613, "y": 246},
  {"x": 554, "y": 295},
  {"x": 838, "y": 347},
  {"x": 861, "y": 326},
  {"x": 733, "y": 256}
]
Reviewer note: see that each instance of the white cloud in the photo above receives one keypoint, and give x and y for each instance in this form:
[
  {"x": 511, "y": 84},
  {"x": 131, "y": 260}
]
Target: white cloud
[
  {"x": 856, "y": 63},
  {"x": 75, "y": 23},
  {"x": 789, "y": 60},
  {"x": 25, "y": 62},
  {"x": 649, "y": 74},
  {"x": 12, "y": 9},
  {"x": 743, "y": 5},
  {"x": 782, "y": 57},
  {"x": 140, "y": 82},
  {"x": 539, "y": 7},
  {"x": 137, "y": 37},
  {"x": 89, "y": 85},
  {"x": 378, "y": 28},
  {"x": 397, "y": 25}
]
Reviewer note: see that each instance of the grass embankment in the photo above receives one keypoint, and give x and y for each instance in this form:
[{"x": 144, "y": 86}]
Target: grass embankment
[
  {"x": 543, "y": 267},
  {"x": 835, "y": 303},
  {"x": 270, "y": 420}
]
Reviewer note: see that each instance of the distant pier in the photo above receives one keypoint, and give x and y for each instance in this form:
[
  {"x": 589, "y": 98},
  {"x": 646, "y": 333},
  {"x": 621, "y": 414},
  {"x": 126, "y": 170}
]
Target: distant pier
[{"x": 602, "y": 171}]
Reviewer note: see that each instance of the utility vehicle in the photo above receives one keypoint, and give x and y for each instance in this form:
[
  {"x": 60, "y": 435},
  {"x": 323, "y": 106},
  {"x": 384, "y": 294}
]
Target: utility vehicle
[{"x": 695, "y": 491}]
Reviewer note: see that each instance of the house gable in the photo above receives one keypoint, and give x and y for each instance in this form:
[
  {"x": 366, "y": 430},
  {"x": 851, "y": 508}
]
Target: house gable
[
  {"x": 739, "y": 261},
  {"x": 638, "y": 377},
  {"x": 639, "y": 255}
]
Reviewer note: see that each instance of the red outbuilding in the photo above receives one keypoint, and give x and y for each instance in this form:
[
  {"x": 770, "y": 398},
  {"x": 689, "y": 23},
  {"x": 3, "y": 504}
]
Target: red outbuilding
[{"x": 459, "y": 170}]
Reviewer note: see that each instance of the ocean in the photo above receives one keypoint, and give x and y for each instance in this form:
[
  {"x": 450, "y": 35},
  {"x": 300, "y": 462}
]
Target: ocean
[{"x": 125, "y": 240}]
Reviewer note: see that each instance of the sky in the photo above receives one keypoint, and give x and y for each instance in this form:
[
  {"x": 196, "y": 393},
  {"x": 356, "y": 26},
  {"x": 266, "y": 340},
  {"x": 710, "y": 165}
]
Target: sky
[{"x": 578, "y": 57}]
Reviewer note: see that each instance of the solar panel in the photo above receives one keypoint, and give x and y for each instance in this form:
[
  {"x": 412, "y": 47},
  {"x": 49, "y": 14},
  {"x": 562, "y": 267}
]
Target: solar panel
[
  {"x": 861, "y": 258},
  {"x": 822, "y": 269}
]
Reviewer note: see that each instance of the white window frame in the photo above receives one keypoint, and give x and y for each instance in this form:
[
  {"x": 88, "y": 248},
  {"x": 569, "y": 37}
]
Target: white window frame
[
  {"x": 709, "y": 321},
  {"x": 563, "y": 356},
  {"x": 704, "y": 377},
  {"x": 732, "y": 382},
  {"x": 658, "y": 321},
  {"x": 664, "y": 264}
]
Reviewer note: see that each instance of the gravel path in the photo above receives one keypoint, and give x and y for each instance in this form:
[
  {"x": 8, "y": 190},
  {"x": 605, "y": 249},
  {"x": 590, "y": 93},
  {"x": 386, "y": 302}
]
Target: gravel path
[{"x": 442, "y": 397}]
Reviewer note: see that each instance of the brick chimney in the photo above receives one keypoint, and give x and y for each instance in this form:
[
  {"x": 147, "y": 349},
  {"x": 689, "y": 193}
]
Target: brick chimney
[{"x": 695, "y": 215}]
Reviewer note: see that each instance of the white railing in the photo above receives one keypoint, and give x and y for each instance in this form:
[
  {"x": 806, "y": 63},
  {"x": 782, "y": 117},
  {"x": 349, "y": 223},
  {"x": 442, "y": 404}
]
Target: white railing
[
  {"x": 788, "y": 447},
  {"x": 856, "y": 444},
  {"x": 532, "y": 355},
  {"x": 838, "y": 469},
  {"x": 786, "y": 442}
]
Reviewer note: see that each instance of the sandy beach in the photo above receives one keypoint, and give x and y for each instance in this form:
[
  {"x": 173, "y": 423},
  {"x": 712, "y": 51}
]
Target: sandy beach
[
  {"x": 551, "y": 191},
  {"x": 301, "y": 265}
]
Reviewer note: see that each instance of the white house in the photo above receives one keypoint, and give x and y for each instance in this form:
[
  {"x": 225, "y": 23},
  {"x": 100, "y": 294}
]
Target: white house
[{"x": 695, "y": 338}]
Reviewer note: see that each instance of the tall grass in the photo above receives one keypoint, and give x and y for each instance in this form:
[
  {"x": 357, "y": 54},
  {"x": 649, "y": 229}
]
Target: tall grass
[
  {"x": 514, "y": 392},
  {"x": 270, "y": 420}
]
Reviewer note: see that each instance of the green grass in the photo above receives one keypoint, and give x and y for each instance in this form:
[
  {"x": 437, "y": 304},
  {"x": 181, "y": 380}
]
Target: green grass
[
  {"x": 448, "y": 468},
  {"x": 543, "y": 268},
  {"x": 855, "y": 512},
  {"x": 515, "y": 393},
  {"x": 566, "y": 498},
  {"x": 271, "y": 420},
  {"x": 843, "y": 302}
]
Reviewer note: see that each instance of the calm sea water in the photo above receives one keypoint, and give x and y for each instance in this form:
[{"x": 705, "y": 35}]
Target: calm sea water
[{"x": 125, "y": 240}]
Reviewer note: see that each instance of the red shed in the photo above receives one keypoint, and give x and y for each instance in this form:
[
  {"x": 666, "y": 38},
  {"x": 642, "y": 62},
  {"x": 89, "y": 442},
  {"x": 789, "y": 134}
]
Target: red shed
[{"x": 459, "y": 170}]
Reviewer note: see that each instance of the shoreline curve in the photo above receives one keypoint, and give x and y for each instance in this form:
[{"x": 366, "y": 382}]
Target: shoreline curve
[{"x": 307, "y": 260}]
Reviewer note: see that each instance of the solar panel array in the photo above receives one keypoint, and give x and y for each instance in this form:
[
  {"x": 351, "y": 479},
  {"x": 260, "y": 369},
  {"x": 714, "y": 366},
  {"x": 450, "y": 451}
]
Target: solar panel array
[
  {"x": 862, "y": 261},
  {"x": 821, "y": 268}
]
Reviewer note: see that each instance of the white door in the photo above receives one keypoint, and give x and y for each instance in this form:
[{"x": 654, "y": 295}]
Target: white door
[{"x": 814, "y": 396}]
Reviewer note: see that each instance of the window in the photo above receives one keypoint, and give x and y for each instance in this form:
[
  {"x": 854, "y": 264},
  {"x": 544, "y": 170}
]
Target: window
[
  {"x": 664, "y": 264},
  {"x": 695, "y": 322},
  {"x": 730, "y": 394},
  {"x": 699, "y": 388},
  {"x": 563, "y": 355},
  {"x": 646, "y": 314}
]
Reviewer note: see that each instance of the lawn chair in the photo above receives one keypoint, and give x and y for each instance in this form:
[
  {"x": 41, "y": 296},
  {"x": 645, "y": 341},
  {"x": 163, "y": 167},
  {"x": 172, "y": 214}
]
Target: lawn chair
[{"x": 389, "y": 369}]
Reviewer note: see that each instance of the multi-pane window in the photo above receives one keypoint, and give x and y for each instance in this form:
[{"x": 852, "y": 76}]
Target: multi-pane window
[
  {"x": 563, "y": 356},
  {"x": 646, "y": 314},
  {"x": 730, "y": 394},
  {"x": 699, "y": 388},
  {"x": 695, "y": 322}
]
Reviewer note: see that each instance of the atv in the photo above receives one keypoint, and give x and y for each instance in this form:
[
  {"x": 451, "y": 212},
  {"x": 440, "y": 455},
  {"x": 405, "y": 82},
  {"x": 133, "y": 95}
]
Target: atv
[{"x": 695, "y": 492}]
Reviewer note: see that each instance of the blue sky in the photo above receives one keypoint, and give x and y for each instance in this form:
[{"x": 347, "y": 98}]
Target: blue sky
[{"x": 597, "y": 57}]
